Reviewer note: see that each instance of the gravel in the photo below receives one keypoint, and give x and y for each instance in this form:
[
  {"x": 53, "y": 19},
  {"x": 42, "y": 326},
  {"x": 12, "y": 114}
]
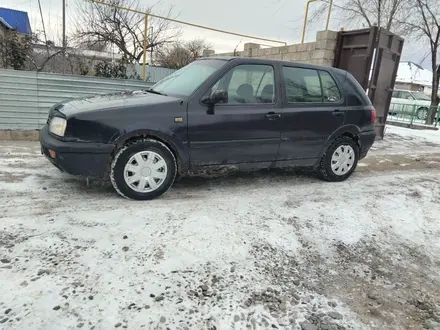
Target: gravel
[
  {"x": 306, "y": 325},
  {"x": 335, "y": 315},
  {"x": 43, "y": 271},
  {"x": 332, "y": 303}
]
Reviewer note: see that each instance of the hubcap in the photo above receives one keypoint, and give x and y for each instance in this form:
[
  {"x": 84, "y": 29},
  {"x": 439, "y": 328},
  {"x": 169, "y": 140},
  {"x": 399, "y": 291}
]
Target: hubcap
[
  {"x": 342, "y": 160},
  {"x": 422, "y": 114},
  {"x": 145, "y": 171}
]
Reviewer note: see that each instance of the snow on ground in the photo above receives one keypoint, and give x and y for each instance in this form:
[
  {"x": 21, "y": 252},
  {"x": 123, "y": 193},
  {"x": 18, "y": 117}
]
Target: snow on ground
[
  {"x": 432, "y": 136},
  {"x": 270, "y": 249}
]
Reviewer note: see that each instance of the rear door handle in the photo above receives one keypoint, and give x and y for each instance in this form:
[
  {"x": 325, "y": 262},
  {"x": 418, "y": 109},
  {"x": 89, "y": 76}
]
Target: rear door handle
[
  {"x": 338, "y": 113},
  {"x": 273, "y": 116}
]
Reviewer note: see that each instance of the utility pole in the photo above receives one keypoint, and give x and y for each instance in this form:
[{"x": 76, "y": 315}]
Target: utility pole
[
  {"x": 64, "y": 26},
  {"x": 151, "y": 47},
  {"x": 44, "y": 29}
]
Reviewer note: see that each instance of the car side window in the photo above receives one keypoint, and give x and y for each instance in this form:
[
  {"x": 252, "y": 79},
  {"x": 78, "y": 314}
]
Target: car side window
[
  {"x": 406, "y": 96},
  {"x": 302, "y": 85},
  {"x": 330, "y": 90},
  {"x": 248, "y": 84},
  {"x": 397, "y": 95}
]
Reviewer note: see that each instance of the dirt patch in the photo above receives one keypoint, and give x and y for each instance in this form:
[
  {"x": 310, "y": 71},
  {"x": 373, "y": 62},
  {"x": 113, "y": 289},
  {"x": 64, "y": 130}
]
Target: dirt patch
[
  {"x": 383, "y": 286},
  {"x": 12, "y": 177},
  {"x": 8, "y": 240},
  {"x": 381, "y": 163}
]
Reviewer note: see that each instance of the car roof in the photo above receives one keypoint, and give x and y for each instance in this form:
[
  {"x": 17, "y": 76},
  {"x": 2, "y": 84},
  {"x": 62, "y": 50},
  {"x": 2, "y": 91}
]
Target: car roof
[{"x": 269, "y": 61}]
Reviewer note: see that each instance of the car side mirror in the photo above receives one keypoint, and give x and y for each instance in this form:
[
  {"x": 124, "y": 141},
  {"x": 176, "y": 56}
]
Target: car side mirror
[{"x": 218, "y": 96}]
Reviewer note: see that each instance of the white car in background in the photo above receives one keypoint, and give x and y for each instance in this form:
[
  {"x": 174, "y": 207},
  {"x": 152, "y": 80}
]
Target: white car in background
[{"x": 408, "y": 102}]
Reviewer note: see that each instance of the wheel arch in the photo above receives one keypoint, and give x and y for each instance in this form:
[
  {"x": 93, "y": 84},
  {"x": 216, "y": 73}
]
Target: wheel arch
[
  {"x": 351, "y": 131},
  {"x": 176, "y": 146}
]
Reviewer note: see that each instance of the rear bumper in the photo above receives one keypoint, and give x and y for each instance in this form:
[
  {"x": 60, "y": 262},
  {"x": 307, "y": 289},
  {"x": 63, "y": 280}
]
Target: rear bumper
[
  {"x": 77, "y": 158},
  {"x": 366, "y": 140}
]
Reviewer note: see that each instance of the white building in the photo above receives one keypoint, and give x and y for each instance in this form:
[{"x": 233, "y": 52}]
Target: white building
[{"x": 411, "y": 76}]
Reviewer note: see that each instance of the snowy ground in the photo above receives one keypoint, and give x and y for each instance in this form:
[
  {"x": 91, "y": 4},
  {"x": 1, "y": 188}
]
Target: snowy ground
[{"x": 261, "y": 250}]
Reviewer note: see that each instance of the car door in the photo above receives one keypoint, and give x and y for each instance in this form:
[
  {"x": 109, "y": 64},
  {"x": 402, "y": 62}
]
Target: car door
[
  {"x": 407, "y": 102},
  {"x": 246, "y": 128},
  {"x": 396, "y": 104},
  {"x": 313, "y": 108}
]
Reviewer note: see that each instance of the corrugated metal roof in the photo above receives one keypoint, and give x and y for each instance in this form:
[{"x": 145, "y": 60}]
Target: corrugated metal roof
[
  {"x": 16, "y": 19},
  {"x": 2, "y": 21}
]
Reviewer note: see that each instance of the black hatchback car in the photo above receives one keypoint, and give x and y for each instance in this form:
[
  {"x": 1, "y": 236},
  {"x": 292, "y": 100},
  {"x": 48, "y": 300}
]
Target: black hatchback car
[{"x": 214, "y": 112}]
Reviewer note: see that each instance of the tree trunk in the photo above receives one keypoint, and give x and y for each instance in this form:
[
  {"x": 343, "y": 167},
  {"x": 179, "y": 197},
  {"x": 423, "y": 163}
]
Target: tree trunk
[
  {"x": 435, "y": 88},
  {"x": 435, "y": 100}
]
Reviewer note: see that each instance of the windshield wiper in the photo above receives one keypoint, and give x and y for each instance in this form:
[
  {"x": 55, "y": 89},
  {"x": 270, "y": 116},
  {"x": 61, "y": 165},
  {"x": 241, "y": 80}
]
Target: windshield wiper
[{"x": 151, "y": 90}]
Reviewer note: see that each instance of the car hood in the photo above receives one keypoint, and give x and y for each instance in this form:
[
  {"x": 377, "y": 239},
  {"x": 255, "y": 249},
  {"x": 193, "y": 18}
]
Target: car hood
[{"x": 111, "y": 102}]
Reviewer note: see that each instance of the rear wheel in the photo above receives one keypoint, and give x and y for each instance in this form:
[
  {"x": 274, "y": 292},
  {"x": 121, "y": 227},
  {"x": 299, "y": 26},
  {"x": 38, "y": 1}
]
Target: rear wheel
[
  {"x": 143, "y": 170},
  {"x": 422, "y": 113},
  {"x": 340, "y": 160}
]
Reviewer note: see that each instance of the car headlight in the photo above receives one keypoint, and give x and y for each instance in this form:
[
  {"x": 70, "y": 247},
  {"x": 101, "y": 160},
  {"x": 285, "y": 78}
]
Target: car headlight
[{"x": 58, "y": 126}]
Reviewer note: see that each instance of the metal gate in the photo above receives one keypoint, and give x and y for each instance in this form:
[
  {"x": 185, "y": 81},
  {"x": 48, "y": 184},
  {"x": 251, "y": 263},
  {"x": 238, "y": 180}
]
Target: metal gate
[{"x": 372, "y": 56}]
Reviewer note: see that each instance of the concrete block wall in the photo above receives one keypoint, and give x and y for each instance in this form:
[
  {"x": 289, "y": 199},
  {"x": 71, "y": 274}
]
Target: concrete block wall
[{"x": 320, "y": 52}]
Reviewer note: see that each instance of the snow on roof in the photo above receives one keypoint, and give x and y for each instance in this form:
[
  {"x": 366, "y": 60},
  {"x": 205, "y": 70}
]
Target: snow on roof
[
  {"x": 2, "y": 21},
  {"x": 410, "y": 72}
]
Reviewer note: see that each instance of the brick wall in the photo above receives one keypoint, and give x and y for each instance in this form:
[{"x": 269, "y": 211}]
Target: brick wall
[{"x": 321, "y": 51}]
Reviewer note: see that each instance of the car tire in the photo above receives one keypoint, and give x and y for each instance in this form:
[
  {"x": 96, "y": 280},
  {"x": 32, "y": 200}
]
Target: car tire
[
  {"x": 348, "y": 152},
  {"x": 422, "y": 113},
  {"x": 143, "y": 170}
]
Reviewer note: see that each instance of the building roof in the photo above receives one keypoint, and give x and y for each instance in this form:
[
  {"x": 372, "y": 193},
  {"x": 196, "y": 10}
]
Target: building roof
[
  {"x": 16, "y": 19},
  {"x": 412, "y": 73},
  {"x": 4, "y": 23}
]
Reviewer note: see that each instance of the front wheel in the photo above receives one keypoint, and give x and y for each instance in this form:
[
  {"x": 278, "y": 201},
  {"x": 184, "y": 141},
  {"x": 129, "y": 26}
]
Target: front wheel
[
  {"x": 340, "y": 160},
  {"x": 143, "y": 170}
]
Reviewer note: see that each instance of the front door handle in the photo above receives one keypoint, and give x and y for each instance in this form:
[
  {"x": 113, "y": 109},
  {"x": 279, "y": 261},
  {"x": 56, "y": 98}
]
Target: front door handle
[
  {"x": 337, "y": 113},
  {"x": 273, "y": 116}
]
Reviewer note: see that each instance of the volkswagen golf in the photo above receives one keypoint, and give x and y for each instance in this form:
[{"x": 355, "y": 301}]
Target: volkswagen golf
[{"x": 215, "y": 112}]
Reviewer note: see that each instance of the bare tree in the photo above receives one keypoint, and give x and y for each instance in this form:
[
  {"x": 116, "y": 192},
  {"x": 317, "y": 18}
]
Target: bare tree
[
  {"x": 99, "y": 24},
  {"x": 366, "y": 13},
  {"x": 41, "y": 59},
  {"x": 179, "y": 54},
  {"x": 423, "y": 24},
  {"x": 19, "y": 52}
]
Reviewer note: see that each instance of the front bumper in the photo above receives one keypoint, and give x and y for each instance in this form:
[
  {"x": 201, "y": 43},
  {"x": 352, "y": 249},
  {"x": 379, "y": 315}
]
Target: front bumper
[
  {"x": 366, "y": 140},
  {"x": 77, "y": 158}
]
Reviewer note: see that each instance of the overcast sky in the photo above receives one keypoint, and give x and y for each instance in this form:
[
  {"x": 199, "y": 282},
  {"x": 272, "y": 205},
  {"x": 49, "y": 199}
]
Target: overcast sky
[{"x": 273, "y": 19}]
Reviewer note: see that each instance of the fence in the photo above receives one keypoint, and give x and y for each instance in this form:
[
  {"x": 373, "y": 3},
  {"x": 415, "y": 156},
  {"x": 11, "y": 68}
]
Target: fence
[
  {"x": 26, "y": 97},
  {"x": 412, "y": 114},
  {"x": 154, "y": 74}
]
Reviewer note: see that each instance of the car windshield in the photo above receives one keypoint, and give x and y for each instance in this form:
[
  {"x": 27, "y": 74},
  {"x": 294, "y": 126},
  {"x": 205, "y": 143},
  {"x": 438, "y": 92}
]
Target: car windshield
[
  {"x": 185, "y": 81},
  {"x": 421, "y": 96}
]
